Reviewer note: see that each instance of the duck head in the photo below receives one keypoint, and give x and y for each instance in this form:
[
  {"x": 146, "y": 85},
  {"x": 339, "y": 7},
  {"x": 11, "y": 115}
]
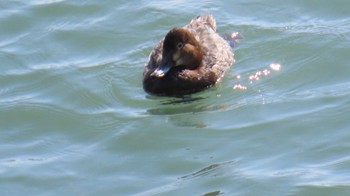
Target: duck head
[{"x": 180, "y": 48}]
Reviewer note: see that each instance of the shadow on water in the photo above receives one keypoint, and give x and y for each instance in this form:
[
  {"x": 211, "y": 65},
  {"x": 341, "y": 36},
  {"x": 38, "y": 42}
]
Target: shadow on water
[
  {"x": 186, "y": 106},
  {"x": 178, "y": 105},
  {"x": 185, "y": 99},
  {"x": 191, "y": 110}
]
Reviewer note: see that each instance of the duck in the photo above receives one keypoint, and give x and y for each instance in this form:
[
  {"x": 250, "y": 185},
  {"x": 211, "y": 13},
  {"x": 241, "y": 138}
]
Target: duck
[{"x": 188, "y": 59}]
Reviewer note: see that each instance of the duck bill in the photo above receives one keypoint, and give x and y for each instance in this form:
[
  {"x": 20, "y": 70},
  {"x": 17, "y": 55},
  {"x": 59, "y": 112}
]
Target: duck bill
[{"x": 163, "y": 68}]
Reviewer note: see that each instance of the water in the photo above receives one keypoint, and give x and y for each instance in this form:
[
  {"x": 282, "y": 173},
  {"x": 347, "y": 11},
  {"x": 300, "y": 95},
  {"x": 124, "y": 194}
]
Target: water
[{"x": 74, "y": 118}]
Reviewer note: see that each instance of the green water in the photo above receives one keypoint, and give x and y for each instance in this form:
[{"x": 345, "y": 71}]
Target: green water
[{"x": 74, "y": 119}]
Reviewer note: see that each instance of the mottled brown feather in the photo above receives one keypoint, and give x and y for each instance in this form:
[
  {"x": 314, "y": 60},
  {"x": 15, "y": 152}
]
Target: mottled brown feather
[{"x": 215, "y": 58}]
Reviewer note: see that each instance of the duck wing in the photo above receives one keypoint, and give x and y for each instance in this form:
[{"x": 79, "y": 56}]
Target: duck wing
[{"x": 218, "y": 55}]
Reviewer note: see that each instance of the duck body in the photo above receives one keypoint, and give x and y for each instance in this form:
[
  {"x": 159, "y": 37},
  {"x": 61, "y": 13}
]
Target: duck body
[{"x": 189, "y": 59}]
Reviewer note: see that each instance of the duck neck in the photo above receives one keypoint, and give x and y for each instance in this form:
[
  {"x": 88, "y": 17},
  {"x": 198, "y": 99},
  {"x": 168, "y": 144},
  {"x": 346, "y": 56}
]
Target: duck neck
[{"x": 197, "y": 57}]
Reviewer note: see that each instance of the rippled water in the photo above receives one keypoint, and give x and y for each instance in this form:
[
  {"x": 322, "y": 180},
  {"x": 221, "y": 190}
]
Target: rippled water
[{"x": 74, "y": 118}]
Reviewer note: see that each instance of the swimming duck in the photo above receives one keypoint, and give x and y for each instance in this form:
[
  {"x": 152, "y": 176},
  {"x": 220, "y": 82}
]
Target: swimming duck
[{"x": 189, "y": 59}]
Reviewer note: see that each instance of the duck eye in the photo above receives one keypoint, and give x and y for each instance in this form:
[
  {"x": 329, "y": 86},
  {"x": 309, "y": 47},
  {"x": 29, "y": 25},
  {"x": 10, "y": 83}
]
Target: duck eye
[{"x": 180, "y": 45}]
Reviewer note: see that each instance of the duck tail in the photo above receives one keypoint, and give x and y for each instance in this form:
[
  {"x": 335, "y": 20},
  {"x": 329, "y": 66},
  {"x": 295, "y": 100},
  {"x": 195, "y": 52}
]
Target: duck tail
[{"x": 206, "y": 19}]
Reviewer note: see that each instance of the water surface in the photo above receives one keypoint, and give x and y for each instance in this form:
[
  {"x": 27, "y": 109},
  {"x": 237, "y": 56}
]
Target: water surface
[{"x": 74, "y": 118}]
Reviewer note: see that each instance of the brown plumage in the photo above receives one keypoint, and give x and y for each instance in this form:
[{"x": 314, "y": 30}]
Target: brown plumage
[{"x": 187, "y": 60}]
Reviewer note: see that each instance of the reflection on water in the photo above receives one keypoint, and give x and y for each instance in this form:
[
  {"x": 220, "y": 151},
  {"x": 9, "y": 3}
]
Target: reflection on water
[{"x": 256, "y": 76}]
